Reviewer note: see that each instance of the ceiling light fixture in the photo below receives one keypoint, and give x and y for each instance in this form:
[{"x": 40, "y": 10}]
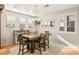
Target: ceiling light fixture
[{"x": 36, "y": 19}]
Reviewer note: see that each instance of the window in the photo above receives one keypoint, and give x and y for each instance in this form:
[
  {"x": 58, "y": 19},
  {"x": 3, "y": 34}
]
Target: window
[
  {"x": 71, "y": 23},
  {"x": 11, "y": 20},
  {"x": 22, "y": 22},
  {"x": 68, "y": 23}
]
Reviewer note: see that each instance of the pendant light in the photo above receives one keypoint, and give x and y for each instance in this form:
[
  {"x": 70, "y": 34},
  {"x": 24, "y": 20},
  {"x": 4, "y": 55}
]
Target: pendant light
[{"x": 36, "y": 19}]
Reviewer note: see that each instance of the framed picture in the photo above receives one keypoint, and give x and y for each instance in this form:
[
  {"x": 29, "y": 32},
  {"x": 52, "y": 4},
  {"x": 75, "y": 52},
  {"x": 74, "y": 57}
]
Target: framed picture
[
  {"x": 62, "y": 23},
  {"x": 62, "y": 26},
  {"x": 52, "y": 23}
]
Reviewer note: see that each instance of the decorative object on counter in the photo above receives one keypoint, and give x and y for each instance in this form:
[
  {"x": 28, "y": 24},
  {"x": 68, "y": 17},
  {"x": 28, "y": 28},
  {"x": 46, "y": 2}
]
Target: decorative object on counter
[
  {"x": 10, "y": 25},
  {"x": 22, "y": 25}
]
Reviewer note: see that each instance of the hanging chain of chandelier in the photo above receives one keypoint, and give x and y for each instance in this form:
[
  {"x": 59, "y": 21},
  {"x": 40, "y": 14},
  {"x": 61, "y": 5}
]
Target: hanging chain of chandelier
[{"x": 36, "y": 19}]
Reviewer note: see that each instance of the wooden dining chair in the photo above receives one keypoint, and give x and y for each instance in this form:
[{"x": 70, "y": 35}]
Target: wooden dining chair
[
  {"x": 46, "y": 37},
  {"x": 40, "y": 43},
  {"x": 22, "y": 43}
]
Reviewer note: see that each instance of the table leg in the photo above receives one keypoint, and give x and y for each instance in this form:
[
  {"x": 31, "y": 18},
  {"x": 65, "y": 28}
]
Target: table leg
[
  {"x": 33, "y": 46},
  {"x": 28, "y": 47}
]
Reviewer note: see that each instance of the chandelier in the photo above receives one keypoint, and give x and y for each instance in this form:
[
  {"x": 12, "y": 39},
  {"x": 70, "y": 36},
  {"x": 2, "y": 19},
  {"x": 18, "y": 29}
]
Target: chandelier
[{"x": 36, "y": 19}]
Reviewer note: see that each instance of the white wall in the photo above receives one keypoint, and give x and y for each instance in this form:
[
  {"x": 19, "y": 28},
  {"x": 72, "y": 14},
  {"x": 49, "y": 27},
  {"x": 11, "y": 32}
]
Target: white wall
[
  {"x": 46, "y": 18},
  {"x": 7, "y": 32},
  {"x": 55, "y": 16},
  {"x": 78, "y": 21}
]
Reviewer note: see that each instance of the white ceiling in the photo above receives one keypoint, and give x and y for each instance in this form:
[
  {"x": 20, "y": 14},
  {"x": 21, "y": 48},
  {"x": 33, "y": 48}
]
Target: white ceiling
[{"x": 31, "y": 9}]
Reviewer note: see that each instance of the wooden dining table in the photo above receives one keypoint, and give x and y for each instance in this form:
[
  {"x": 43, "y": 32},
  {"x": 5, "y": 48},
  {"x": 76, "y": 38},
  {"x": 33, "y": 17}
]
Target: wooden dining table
[{"x": 32, "y": 37}]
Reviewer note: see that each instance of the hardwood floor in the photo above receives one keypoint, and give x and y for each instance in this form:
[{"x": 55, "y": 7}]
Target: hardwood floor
[
  {"x": 65, "y": 51},
  {"x": 5, "y": 50},
  {"x": 69, "y": 51}
]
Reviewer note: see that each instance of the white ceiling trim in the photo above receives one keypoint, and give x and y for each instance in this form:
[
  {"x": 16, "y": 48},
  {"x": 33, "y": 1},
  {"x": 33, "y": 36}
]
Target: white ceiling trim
[
  {"x": 30, "y": 9},
  {"x": 18, "y": 11}
]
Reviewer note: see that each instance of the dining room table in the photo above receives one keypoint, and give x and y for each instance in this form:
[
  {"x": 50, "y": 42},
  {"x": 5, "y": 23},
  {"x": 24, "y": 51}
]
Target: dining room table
[{"x": 32, "y": 38}]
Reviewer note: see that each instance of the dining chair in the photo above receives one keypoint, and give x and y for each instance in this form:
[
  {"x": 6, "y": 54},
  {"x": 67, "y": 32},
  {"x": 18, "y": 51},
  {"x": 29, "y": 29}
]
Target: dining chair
[
  {"x": 47, "y": 38},
  {"x": 22, "y": 43},
  {"x": 40, "y": 43}
]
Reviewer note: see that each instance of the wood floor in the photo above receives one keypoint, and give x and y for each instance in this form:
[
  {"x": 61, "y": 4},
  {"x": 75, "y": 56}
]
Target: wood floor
[
  {"x": 5, "y": 50},
  {"x": 65, "y": 51},
  {"x": 69, "y": 51}
]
